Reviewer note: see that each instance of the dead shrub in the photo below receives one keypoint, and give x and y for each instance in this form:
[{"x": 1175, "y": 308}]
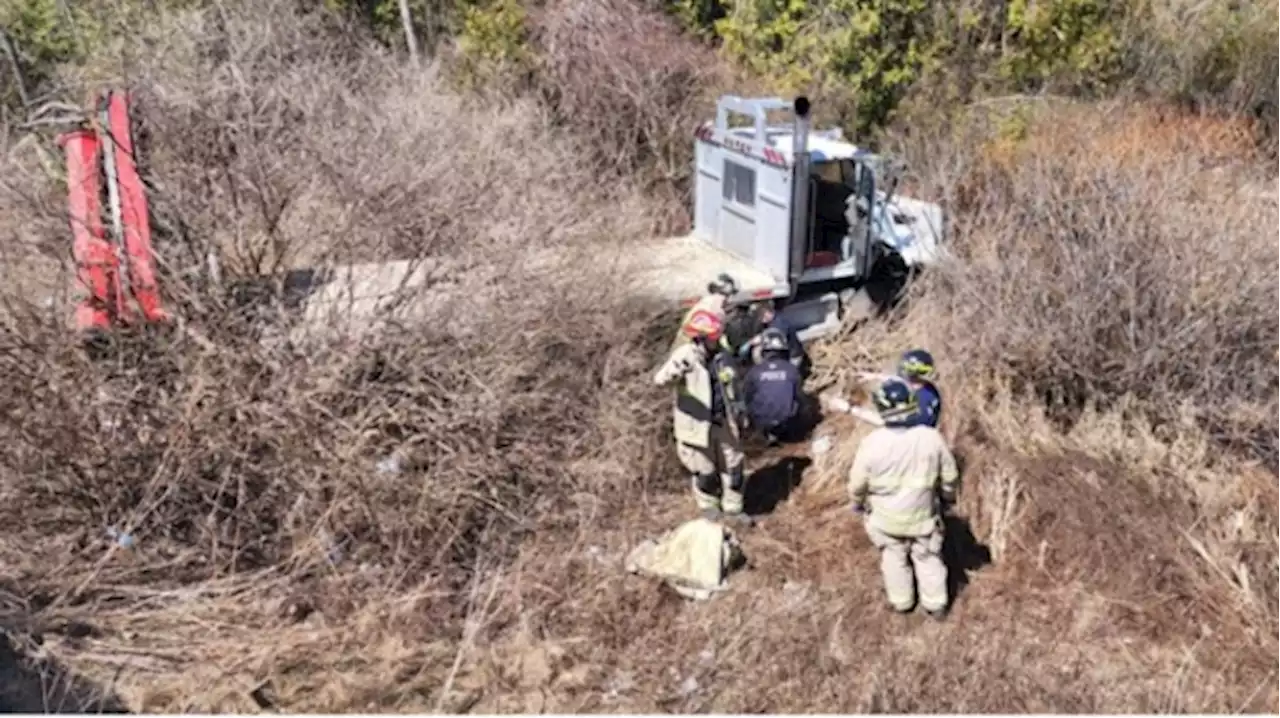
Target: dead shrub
[
  {"x": 1090, "y": 273},
  {"x": 277, "y": 149},
  {"x": 627, "y": 85}
]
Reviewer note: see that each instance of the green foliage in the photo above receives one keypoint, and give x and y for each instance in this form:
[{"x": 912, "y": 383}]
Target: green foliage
[
  {"x": 1074, "y": 41},
  {"x": 1234, "y": 62},
  {"x": 50, "y": 33},
  {"x": 44, "y": 33},
  {"x": 431, "y": 18},
  {"x": 862, "y": 54},
  {"x": 1015, "y": 126},
  {"x": 866, "y": 55},
  {"x": 697, "y": 16},
  {"x": 492, "y": 43},
  {"x": 380, "y": 16}
]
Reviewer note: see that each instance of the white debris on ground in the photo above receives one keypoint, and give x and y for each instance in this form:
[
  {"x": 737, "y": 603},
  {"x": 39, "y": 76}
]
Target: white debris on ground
[
  {"x": 390, "y": 465},
  {"x": 622, "y": 682},
  {"x": 796, "y": 593},
  {"x": 694, "y": 559}
]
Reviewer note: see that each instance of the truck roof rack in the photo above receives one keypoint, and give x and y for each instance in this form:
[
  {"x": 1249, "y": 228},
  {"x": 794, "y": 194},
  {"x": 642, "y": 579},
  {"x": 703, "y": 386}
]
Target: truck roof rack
[{"x": 756, "y": 108}]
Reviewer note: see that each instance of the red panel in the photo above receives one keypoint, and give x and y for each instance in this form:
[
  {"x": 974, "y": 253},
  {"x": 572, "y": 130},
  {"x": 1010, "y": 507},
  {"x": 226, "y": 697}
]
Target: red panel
[
  {"x": 133, "y": 211},
  {"x": 821, "y": 259},
  {"x": 96, "y": 278}
]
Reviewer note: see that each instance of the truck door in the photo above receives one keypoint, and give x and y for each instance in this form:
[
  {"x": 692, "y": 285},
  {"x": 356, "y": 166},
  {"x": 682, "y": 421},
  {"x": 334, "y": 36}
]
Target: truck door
[{"x": 861, "y": 179}]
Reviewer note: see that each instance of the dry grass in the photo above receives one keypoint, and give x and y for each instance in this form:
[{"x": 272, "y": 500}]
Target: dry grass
[{"x": 1132, "y": 522}]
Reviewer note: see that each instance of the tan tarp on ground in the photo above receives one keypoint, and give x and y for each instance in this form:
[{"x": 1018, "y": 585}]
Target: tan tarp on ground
[{"x": 694, "y": 558}]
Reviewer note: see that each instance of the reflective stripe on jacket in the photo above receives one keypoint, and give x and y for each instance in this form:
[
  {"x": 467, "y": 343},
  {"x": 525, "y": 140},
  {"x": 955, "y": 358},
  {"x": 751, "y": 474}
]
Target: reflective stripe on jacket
[
  {"x": 687, "y": 365},
  {"x": 897, "y": 473}
]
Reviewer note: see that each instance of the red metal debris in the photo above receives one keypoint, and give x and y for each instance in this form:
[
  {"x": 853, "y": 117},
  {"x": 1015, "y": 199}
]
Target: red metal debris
[{"x": 107, "y": 261}]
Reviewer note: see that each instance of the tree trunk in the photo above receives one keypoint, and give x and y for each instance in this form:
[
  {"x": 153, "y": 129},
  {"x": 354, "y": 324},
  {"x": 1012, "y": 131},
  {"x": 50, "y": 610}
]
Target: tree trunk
[
  {"x": 407, "y": 20},
  {"x": 18, "y": 78}
]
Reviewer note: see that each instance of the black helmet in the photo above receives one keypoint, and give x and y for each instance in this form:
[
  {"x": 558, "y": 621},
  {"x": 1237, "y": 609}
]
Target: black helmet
[
  {"x": 916, "y": 364},
  {"x": 723, "y": 284},
  {"x": 773, "y": 341},
  {"x": 895, "y": 401}
]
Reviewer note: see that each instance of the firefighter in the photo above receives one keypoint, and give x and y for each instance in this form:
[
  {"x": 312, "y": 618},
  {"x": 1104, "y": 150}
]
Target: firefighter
[
  {"x": 917, "y": 369},
  {"x": 901, "y": 479},
  {"x": 708, "y": 417},
  {"x": 742, "y": 327},
  {"x": 772, "y": 388},
  {"x": 719, "y": 290},
  {"x": 771, "y": 318}
]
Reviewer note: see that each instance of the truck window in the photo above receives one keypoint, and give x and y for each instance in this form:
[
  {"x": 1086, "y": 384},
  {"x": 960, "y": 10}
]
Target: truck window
[
  {"x": 739, "y": 183},
  {"x": 850, "y": 174},
  {"x": 827, "y": 171}
]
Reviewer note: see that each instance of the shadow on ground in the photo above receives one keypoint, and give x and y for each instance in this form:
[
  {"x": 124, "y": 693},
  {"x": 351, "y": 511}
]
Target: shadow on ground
[
  {"x": 30, "y": 684},
  {"x": 962, "y": 553},
  {"x": 806, "y": 421},
  {"x": 961, "y": 550},
  {"x": 772, "y": 484}
]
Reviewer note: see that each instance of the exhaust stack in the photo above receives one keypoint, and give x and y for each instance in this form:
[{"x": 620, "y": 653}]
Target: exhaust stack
[{"x": 800, "y": 165}]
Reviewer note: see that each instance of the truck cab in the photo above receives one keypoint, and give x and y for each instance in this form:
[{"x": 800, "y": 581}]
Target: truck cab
[{"x": 793, "y": 214}]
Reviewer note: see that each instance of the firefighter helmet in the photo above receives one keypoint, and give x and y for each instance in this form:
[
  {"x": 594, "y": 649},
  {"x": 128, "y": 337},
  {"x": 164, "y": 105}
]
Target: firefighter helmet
[
  {"x": 916, "y": 364},
  {"x": 773, "y": 341},
  {"x": 704, "y": 324},
  {"x": 724, "y": 285},
  {"x": 895, "y": 401}
]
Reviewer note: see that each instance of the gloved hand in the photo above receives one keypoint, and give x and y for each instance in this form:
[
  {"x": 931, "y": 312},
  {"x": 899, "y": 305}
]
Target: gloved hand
[
  {"x": 839, "y": 404},
  {"x": 870, "y": 377},
  {"x": 947, "y": 499}
]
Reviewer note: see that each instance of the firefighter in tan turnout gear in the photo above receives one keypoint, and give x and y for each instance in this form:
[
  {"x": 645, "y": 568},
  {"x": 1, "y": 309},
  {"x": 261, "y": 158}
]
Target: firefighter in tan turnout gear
[
  {"x": 707, "y": 416},
  {"x": 901, "y": 475}
]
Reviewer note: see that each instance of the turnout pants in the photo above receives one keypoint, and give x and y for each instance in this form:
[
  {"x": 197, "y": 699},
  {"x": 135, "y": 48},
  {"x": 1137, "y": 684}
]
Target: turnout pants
[
  {"x": 718, "y": 479},
  {"x": 899, "y": 555}
]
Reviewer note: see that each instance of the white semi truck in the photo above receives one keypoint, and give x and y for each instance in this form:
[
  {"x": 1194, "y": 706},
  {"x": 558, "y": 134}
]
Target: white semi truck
[
  {"x": 811, "y": 244},
  {"x": 791, "y": 214}
]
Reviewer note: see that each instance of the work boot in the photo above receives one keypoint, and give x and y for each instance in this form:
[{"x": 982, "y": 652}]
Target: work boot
[{"x": 898, "y": 618}]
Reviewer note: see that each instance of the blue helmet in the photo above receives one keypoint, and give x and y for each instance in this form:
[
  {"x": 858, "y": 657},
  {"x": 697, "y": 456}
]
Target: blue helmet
[
  {"x": 896, "y": 402},
  {"x": 916, "y": 364}
]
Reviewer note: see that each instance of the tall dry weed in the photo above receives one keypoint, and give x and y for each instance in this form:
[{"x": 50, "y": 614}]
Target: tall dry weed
[
  {"x": 628, "y": 87},
  {"x": 1116, "y": 253}
]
